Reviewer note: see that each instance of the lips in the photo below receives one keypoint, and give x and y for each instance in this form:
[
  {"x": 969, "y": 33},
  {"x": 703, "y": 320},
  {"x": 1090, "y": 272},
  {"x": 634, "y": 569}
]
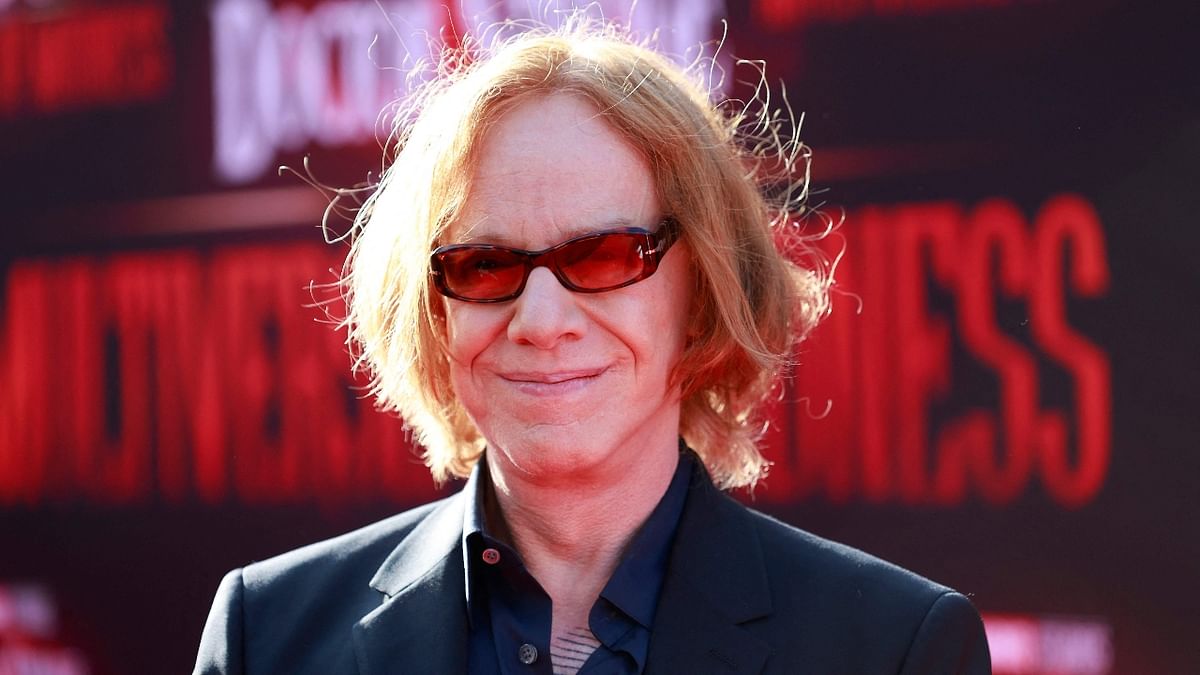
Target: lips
[
  {"x": 552, "y": 377},
  {"x": 552, "y": 383}
]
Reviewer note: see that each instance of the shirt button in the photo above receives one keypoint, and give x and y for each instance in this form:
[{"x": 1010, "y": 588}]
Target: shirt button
[
  {"x": 491, "y": 556},
  {"x": 527, "y": 654}
]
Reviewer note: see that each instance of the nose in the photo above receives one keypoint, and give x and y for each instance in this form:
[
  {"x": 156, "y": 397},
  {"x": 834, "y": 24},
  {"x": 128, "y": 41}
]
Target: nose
[{"x": 546, "y": 313}]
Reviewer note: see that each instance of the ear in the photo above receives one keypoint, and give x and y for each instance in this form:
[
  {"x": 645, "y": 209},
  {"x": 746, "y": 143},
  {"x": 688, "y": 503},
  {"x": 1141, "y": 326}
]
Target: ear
[
  {"x": 438, "y": 326},
  {"x": 441, "y": 329},
  {"x": 437, "y": 310},
  {"x": 700, "y": 302}
]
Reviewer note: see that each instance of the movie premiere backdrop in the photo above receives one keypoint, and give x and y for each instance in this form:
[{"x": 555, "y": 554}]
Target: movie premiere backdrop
[{"x": 1004, "y": 397}]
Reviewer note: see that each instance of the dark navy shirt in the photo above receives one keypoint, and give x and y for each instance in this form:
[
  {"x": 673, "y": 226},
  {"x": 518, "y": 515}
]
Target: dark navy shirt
[{"x": 509, "y": 613}]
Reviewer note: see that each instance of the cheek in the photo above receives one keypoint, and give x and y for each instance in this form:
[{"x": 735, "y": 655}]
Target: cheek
[
  {"x": 674, "y": 309},
  {"x": 467, "y": 336},
  {"x": 654, "y": 325},
  {"x": 470, "y": 328}
]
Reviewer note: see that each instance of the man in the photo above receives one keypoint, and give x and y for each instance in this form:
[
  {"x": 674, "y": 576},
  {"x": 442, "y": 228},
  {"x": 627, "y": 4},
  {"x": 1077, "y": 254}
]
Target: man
[{"x": 568, "y": 285}]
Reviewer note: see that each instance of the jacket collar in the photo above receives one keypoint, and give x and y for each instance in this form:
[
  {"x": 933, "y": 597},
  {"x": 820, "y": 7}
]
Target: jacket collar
[
  {"x": 716, "y": 580},
  {"x": 421, "y": 626}
]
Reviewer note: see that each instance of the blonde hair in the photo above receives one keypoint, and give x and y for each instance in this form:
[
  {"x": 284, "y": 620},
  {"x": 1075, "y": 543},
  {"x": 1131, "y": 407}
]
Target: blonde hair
[{"x": 751, "y": 304}]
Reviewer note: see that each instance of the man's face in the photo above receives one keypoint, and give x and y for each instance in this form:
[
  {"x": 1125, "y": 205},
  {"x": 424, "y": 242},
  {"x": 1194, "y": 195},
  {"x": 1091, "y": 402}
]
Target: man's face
[{"x": 563, "y": 384}]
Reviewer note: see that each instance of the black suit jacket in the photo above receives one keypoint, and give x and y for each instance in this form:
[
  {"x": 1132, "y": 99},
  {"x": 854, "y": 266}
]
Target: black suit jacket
[{"x": 743, "y": 593}]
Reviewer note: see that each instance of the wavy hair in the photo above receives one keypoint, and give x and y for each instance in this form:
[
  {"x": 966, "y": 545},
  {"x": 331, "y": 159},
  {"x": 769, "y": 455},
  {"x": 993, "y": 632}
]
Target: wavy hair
[{"x": 735, "y": 181}]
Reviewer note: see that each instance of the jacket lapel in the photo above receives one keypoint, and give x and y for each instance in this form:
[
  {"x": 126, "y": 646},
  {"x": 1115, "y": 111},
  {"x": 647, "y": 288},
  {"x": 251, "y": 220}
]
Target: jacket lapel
[
  {"x": 421, "y": 627},
  {"x": 715, "y": 581}
]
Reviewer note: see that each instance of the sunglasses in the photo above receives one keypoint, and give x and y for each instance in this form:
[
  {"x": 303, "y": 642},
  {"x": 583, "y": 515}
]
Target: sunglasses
[{"x": 592, "y": 263}]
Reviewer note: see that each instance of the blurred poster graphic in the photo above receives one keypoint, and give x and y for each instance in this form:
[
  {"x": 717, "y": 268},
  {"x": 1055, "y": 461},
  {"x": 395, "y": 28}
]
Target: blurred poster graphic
[
  {"x": 1031, "y": 645},
  {"x": 29, "y": 643},
  {"x": 287, "y": 76}
]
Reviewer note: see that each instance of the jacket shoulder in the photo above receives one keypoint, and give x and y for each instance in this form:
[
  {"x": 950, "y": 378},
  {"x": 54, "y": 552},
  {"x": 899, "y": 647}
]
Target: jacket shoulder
[
  {"x": 838, "y": 567},
  {"x": 293, "y": 613},
  {"x": 838, "y": 599},
  {"x": 365, "y": 547},
  {"x": 298, "y": 608}
]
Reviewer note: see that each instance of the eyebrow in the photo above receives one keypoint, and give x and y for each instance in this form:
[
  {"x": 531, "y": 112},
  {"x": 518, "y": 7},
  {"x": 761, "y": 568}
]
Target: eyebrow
[{"x": 499, "y": 239}]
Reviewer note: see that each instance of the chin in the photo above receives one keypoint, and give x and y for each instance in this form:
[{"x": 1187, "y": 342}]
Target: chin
[{"x": 556, "y": 453}]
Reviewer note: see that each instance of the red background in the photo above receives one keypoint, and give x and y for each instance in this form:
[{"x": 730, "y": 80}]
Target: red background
[{"x": 1002, "y": 398}]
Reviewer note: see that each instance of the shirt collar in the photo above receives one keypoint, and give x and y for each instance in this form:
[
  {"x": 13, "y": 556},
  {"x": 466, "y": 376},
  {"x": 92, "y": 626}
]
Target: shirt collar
[
  {"x": 474, "y": 534},
  {"x": 473, "y": 516},
  {"x": 635, "y": 583}
]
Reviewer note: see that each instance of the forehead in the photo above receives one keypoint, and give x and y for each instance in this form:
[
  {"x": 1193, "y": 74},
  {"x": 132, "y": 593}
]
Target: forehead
[{"x": 550, "y": 168}]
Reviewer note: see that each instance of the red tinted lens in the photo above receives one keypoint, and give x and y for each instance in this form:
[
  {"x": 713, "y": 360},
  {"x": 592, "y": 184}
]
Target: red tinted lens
[
  {"x": 482, "y": 273},
  {"x": 603, "y": 261}
]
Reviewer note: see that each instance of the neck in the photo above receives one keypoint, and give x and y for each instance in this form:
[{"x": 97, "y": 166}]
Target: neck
[{"x": 571, "y": 532}]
